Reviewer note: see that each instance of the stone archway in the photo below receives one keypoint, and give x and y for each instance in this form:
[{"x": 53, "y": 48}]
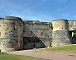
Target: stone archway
[{"x": 73, "y": 36}]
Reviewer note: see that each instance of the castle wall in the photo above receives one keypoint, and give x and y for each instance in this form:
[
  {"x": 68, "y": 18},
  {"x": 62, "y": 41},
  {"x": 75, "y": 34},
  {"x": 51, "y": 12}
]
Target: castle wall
[
  {"x": 17, "y": 34},
  {"x": 72, "y": 24},
  {"x": 72, "y": 30},
  {"x": 39, "y": 33},
  {"x": 10, "y": 34},
  {"x": 60, "y": 34}
]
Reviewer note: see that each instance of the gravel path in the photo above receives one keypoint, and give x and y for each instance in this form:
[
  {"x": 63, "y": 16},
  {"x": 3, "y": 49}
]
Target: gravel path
[{"x": 46, "y": 55}]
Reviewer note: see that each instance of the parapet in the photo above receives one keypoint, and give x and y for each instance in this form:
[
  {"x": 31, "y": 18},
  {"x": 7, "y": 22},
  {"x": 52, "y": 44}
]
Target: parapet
[
  {"x": 72, "y": 25},
  {"x": 36, "y": 22},
  {"x": 12, "y": 18},
  {"x": 60, "y": 24}
]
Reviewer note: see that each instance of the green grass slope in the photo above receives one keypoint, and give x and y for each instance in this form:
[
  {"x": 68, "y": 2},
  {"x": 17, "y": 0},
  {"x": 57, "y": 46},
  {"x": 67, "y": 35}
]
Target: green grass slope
[
  {"x": 67, "y": 49},
  {"x": 17, "y": 57}
]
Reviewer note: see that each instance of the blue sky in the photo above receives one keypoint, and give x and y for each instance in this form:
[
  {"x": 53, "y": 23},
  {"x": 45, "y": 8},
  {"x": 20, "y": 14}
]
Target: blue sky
[{"x": 43, "y": 10}]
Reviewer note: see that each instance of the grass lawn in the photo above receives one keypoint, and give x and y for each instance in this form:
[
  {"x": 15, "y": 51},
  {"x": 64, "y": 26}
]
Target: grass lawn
[
  {"x": 66, "y": 49},
  {"x": 17, "y": 57}
]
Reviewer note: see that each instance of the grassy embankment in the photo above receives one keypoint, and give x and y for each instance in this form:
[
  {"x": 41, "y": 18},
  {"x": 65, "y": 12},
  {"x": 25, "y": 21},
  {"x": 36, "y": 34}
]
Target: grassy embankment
[
  {"x": 66, "y": 49},
  {"x": 17, "y": 57}
]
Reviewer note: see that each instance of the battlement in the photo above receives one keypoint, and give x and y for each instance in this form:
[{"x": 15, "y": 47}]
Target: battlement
[{"x": 35, "y": 22}]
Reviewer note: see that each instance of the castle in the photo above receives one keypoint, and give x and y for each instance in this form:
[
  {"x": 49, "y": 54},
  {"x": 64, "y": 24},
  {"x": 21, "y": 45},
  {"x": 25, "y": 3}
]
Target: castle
[{"x": 16, "y": 34}]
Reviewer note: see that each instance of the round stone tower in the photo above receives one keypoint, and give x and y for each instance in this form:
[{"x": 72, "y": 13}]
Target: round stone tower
[
  {"x": 11, "y": 29},
  {"x": 60, "y": 34}
]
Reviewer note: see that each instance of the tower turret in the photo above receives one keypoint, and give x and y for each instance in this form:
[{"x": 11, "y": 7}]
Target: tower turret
[
  {"x": 60, "y": 35},
  {"x": 11, "y": 29}
]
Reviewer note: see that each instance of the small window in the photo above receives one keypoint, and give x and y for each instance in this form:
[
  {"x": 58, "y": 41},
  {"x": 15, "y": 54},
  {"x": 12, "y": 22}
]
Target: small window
[
  {"x": 20, "y": 25},
  {"x": 6, "y": 29},
  {"x": 5, "y": 33},
  {"x": 14, "y": 28},
  {"x": 23, "y": 31}
]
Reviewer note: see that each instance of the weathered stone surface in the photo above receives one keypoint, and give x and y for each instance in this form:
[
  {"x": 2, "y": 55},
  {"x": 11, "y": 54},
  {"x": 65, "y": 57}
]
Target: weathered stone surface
[
  {"x": 39, "y": 33},
  {"x": 11, "y": 33},
  {"x": 60, "y": 37},
  {"x": 17, "y": 34}
]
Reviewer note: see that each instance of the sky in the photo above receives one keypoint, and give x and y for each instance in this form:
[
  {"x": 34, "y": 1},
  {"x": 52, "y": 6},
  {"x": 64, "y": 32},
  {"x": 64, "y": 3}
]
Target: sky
[{"x": 42, "y": 10}]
